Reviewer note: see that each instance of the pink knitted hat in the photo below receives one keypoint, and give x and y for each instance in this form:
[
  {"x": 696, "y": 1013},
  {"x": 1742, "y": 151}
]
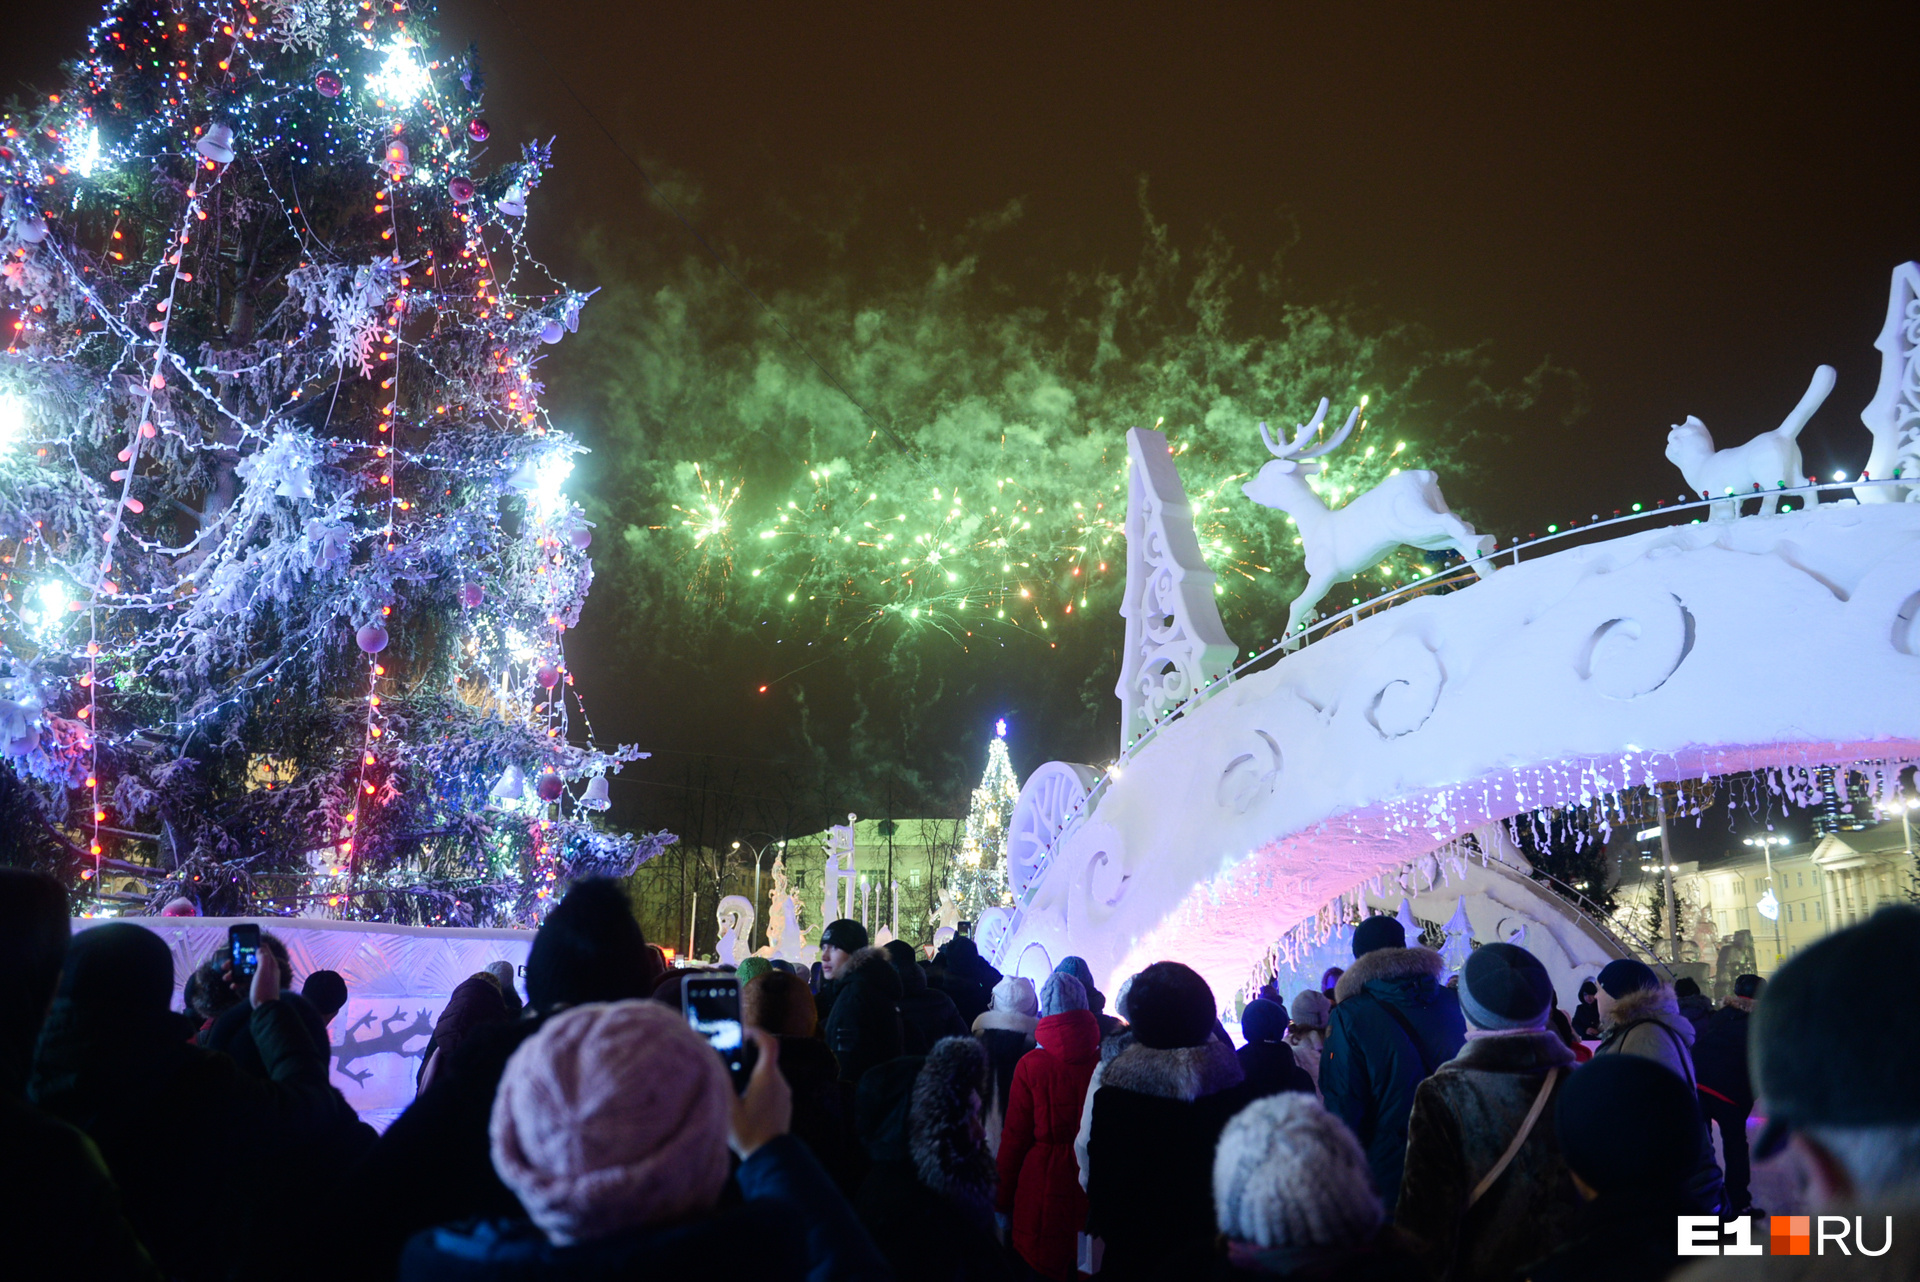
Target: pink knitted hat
[{"x": 612, "y": 1116}]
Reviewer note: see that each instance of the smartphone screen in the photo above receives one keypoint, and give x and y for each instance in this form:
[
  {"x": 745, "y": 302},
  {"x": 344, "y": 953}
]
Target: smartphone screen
[
  {"x": 712, "y": 1004},
  {"x": 243, "y": 949}
]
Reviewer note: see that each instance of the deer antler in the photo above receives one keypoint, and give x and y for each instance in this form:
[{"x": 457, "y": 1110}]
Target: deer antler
[{"x": 1306, "y": 430}]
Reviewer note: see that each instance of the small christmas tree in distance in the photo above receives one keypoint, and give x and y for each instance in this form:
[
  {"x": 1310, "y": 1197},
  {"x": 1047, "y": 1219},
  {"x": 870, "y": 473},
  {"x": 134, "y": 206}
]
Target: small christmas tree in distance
[
  {"x": 287, "y": 559},
  {"x": 979, "y": 879}
]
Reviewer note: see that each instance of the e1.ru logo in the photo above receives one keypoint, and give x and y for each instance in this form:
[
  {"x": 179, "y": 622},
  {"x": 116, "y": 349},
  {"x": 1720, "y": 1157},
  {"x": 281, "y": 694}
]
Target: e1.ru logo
[{"x": 1787, "y": 1235}]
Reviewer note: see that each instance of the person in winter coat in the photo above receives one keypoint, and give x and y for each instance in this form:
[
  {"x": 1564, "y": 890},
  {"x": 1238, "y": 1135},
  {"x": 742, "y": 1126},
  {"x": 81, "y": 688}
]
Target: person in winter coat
[
  {"x": 179, "y": 1125},
  {"x": 781, "y": 1004},
  {"x": 1156, "y": 1116},
  {"x": 612, "y": 1127},
  {"x": 475, "y": 1001},
  {"x": 1586, "y": 1016},
  {"x": 1626, "y": 1130},
  {"x": 1039, "y": 1179},
  {"x": 863, "y": 1028},
  {"x": 1294, "y": 1199},
  {"x": 1485, "y": 1189},
  {"x": 1833, "y": 1057},
  {"x": 962, "y": 974},
  {"x": 926, "y": 1013},
  {"x": 1307, "y": 1032},
  {"x": 1330, "y": 983},
  {"x": 838, "y": 943},
  {"x": 1267, "y": 1059},
  {"x": 1639, "y": 1015},
  {"x": 1006, "y": 1031},
  {"x": 61, "y": 1215},
  {"x": 1726, "y": 1089},
  {"x": 1694, "y": 1004},
  {"x": 1096, "y": 1000},
  {"x": 1393, "y": 1023},
  {"x": 326, "y": 992},
  {"x": 928, "y": 1196},
  {"x": 433, "y": 1165}
]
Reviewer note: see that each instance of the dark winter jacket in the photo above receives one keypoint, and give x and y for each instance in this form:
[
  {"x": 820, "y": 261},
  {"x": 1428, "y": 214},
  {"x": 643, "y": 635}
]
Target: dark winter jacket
[
  {"x": 1271, "y": 1068},
  {"x": 232, "y": 1034},
  {"x": 475, "y": 1001},
  {"x": 1157, "y": 1115},
  {"x": 938, "y": 1229},
  {"x": 1698, "y": 1009},
  {"x": 863, "y": 1028},
  {"x": 1720, "y": 1053},
  {"x": 1463, "y": 1119},
  {"x": 793, "y": 1225},
  {"x": 1370, "y": 1067},
  {"x": 181, "y": 1127},
  {"x": 965, "y": 977},
  {"x": 1649, "y": 1024},
  {"x": 1586, "y": 1020},
  {"x": 823, "y": 1110},
  {"x": 926, "y": 1013},
  {"x": 60, "y": 1214},
  {"x": 1039, "y": 1178},
  {"x": 434, "y": 1165},
  {"x": 1618, "y": 1239}
]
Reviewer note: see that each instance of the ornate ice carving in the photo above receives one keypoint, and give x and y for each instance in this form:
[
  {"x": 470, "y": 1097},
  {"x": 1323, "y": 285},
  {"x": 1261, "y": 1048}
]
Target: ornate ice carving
[
  {"x": 1052, "y": 796},
  {"x": 1893, "y": 416},
  {"x": 735, "y": 917},
  {"x": 840, "y": 873},
  {"x": 1176, "y": 645}
]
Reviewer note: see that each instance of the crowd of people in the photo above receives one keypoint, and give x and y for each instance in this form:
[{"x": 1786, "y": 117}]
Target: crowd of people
[{"x": 934, "y": 1119}]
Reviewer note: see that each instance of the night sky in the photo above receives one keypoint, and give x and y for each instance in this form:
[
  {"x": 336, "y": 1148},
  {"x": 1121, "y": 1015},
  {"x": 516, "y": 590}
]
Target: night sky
[{"x": 1680, "y": 211}]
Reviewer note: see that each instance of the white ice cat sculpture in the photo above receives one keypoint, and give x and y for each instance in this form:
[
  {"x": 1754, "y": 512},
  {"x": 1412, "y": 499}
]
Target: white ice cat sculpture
[{"x": 1768, "y": 460}]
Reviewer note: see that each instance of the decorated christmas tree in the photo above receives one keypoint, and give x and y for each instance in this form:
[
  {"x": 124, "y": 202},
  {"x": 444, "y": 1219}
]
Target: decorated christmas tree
[
  {"x": 979, "y": 879},
  {"x": 287, "y": 561}
]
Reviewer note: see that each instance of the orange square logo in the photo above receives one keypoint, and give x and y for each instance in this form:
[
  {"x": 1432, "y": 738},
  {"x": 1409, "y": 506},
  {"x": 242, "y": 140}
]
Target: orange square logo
[{"x": 1792, "y": 1234}]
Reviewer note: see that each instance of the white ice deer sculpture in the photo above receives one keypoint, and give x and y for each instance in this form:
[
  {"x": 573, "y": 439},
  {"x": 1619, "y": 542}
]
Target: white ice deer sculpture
[{"x": 1340, "y": 543}]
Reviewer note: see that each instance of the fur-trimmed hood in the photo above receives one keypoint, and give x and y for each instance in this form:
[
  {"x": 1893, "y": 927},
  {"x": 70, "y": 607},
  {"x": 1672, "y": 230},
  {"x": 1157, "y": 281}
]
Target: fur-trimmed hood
[
  {"x": 1183, "y": 1073},
  {"x": 870, "y": 966},
  {"x": 1389, "y": 963},
  {"x": 945, "y": 1154},
  {"x": 1651, "y": 1003},
  {"x": 1739, "y": 1003}
]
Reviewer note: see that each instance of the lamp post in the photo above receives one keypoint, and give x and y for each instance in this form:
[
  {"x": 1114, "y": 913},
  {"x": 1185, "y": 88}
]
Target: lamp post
[
  {"x": 759, "y": 853},
  {"x": 1770, "y": 903}
]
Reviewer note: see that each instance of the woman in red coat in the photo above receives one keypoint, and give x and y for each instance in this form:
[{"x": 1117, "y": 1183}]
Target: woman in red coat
[{"x": 1039, "y": 1177}]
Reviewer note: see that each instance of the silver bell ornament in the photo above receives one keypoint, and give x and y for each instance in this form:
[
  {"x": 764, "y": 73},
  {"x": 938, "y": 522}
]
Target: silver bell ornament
[
  {"x": 595, "y": 797},
  {"x": 216, "y": 144},
  {"x": 512, "y": 785},
  {"x": 396, "y": 160}
]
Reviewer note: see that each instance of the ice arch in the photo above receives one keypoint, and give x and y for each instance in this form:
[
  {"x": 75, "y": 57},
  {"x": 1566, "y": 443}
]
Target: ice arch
[{"x": 1683, "y": 652}]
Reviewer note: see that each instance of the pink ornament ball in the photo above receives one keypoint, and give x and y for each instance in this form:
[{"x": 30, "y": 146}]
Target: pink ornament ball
[
  {"x": 471, "y": 595},
  {"x": 477, "y": 130},
  {"x": 461, "y": 189},
  {"x": 549, "y": 787},
  {"x": 327, "y": 84},
  {"x": 581, "y": 538},
  {"x": 372, "y": 638},
  {"x": 547, "y": 675}
]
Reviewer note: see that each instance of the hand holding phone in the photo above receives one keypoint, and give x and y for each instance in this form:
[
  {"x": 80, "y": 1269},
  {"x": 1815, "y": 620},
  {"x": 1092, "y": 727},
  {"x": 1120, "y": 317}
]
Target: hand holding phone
[{"x": 712, "y": 1005}]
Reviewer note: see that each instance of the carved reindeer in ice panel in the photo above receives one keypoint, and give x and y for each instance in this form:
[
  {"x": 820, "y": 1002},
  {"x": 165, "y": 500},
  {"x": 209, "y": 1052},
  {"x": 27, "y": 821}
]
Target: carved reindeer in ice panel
[{"x": 1340, "y": 543}]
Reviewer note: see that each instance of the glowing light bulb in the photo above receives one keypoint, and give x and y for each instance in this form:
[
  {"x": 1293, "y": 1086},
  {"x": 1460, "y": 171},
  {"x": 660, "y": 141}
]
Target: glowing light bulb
[{"x": 13, "y": 420}]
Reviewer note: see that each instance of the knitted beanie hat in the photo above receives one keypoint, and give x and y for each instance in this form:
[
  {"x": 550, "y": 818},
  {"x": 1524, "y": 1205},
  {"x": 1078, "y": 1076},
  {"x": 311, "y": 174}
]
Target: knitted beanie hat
[
  {"x": 590, "y": 949},
  {"x": 1504, "y": 986},
  {"x": 1311, "y": 1009},
  {"x": 750, "y": 969},
  {"x": 1288, "y": 1173},
  {"x": 1624, "y": 975},
  {"x": 1016, "y": 996},
  {"x": 1627, "y": 1123},
  {"x": 612, "y": 1116},
  {"x": 1078, "y": 968},
  {"x": 846, "y": 934},
  {"x": 1263, "y": 1021},
  {"x": 1062, "y": 992},
  {"x": 779, "y": 1003},
  {"x": 1376, "y": 933},
  {"x": 1170, "y": 1006}
]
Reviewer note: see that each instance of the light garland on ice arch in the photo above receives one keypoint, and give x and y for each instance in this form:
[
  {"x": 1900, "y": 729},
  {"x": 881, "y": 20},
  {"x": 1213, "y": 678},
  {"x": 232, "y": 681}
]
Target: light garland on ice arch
[{"x": 255, "y": 249}]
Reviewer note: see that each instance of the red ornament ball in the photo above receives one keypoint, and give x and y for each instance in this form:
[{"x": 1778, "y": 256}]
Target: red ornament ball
[
  {"x": 471, "y": 595},
  {"x": 327, "y": 84},
  {"x": 461, "y": 189},
  {"x": 547, "y": 675},
  {"x": 477, "y": 130},
  {"x": 549, "y": 787},
  {"x": 372, "y": 638}
]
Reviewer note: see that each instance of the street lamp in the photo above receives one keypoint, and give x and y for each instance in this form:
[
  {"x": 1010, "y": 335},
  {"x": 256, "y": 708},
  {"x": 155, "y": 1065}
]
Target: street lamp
[
  {"x": 759, "y": 854},
  {"x": 1769, "y": 904}
]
